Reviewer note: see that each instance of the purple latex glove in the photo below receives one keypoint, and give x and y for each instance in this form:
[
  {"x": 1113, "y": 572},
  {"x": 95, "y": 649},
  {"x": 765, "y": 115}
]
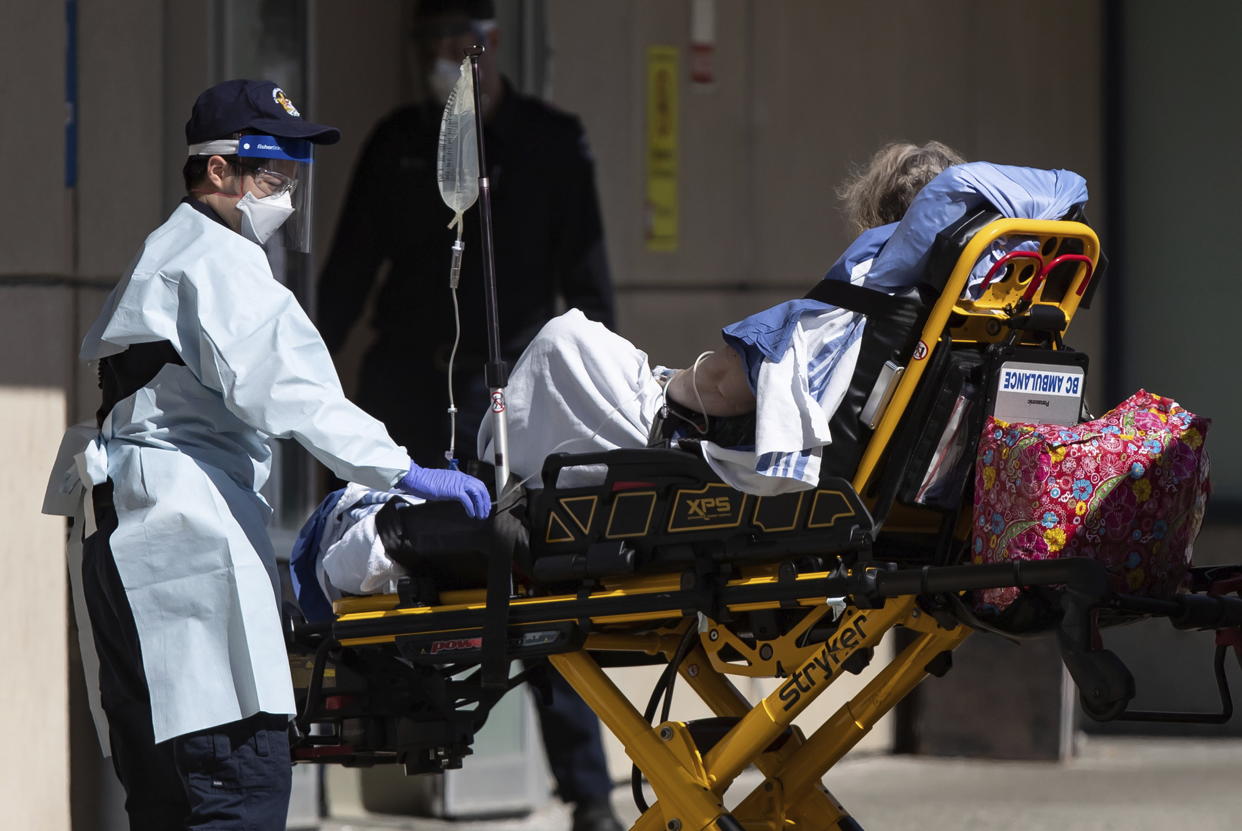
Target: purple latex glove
[{"x": 434, "y": 484}]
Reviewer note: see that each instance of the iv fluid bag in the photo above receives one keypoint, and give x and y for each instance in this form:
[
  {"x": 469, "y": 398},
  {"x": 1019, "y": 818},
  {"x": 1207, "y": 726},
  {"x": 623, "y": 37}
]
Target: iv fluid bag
[{"x": 457, "y": 167}]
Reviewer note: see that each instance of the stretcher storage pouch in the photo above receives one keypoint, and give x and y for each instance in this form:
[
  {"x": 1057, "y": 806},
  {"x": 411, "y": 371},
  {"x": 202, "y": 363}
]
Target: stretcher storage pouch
[
  {"x": 1128, "y": 489},
  {"x": 942, "y": 456}
]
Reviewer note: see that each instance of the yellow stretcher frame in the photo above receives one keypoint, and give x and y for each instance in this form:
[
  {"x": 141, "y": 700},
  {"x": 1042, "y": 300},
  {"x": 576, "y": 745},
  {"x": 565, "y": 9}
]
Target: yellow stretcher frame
[
  {"x": 952, "y": 302},
  {"x": 690, "y": 781},
  {"x": 690, "y": 784}
]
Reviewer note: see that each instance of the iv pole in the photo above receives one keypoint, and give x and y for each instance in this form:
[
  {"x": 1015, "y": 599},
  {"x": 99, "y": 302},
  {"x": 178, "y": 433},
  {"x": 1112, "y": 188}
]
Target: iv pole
[
  {"x": 494, "y": 666},
  {"x": 495, "y": 371}
]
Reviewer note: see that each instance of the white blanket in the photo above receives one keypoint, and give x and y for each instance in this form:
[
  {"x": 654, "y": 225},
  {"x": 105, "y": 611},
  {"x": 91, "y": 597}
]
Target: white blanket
[{"x": 580, "y": 388}]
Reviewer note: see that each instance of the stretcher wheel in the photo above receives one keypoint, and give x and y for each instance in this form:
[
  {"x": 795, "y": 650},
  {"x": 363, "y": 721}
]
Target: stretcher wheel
[
  {"x": 728, "y": 823},
  {"x": 1106, "y": 687},
  {"x": 1102, "y": 710}
]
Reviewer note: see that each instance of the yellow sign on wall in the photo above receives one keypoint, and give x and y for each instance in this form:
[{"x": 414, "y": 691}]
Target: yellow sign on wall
[{"x": 661, "y": 204}]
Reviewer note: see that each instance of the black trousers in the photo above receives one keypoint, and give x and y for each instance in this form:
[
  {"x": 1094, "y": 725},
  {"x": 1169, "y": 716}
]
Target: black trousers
[
  {"x": 571, "y": 739},
  {"x": 235, "y": 776}
]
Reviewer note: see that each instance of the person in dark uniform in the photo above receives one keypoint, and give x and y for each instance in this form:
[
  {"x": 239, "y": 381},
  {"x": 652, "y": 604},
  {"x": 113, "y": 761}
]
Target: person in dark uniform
[
  {"x": 548, "y": 237},
  {"x": 549, "y": 249}
]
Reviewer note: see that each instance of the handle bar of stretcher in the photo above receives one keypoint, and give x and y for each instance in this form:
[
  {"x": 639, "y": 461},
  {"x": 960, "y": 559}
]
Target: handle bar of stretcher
[
  {"x": 658, "y": 597},
  {"x": 952, "y": 302},
  {"x": 670, "y": 463},
  {"x": 1079, "y": 573}
]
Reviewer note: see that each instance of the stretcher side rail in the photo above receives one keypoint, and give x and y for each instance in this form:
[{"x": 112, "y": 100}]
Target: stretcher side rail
[{"x": 666, "y": 509}]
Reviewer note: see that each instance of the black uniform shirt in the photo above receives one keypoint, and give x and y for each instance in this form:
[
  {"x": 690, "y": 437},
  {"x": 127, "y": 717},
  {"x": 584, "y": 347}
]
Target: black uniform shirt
[{"x": 547, "y": 231}]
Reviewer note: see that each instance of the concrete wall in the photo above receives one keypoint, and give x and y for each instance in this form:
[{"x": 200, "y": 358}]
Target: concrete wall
[
  {"x": 121, "y": 118},
  {"x": 1175, "y": 313},
  {"x": 35, "y": 232},
  {"x": 34, "y": 329},
  {"x": 34, "y": 782},
  {"x": 804, "y": 90},
  {"x": 1180, "y": 126}
]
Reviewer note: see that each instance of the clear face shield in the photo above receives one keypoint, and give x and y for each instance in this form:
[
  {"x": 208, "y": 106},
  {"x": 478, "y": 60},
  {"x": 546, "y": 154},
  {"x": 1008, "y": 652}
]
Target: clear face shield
[{"x": 276, "y": 187}]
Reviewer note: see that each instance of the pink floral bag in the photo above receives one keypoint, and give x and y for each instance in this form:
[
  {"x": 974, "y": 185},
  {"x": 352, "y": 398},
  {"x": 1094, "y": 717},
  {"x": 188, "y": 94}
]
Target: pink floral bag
[{"x": 1129, "y": 489}]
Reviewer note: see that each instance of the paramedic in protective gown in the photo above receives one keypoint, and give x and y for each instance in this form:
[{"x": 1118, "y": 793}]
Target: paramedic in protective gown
[{"x": 204, "y": 357}]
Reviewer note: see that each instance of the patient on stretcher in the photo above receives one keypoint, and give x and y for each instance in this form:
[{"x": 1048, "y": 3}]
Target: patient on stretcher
[{"x": 580, "y": 388}]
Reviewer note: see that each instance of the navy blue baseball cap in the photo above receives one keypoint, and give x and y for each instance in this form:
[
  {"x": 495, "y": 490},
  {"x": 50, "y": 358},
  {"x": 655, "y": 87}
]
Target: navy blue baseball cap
[{"x": 251, "y": 106}]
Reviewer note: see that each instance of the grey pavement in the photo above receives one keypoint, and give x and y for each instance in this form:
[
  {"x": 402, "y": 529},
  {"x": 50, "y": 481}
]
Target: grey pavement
[{"x": 1136, "y": 784}]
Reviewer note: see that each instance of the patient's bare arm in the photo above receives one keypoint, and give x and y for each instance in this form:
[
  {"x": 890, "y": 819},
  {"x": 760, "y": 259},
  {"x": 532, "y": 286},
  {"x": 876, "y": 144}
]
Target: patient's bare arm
[{"x": 717, "y": 387}]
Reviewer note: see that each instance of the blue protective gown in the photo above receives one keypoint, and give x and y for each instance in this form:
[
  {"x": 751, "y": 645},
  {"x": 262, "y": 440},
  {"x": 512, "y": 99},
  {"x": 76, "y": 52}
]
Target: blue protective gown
[{"x": 189, "y": 452}]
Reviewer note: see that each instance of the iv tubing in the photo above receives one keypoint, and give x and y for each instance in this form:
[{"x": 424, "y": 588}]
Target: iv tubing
[{"x": 450, "y": 455}]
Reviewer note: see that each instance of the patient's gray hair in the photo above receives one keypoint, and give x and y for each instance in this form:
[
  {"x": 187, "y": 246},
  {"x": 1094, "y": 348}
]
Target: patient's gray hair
[{"x": 880, "y": 192}]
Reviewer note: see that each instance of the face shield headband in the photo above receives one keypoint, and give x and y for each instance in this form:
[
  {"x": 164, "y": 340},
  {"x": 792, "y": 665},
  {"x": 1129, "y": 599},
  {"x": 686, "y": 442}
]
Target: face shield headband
[{"x": 281, "y": 196}]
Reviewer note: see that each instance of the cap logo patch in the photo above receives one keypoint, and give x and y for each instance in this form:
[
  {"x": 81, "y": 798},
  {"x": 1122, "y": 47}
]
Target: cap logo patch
[{"x": 278, "y": 95}]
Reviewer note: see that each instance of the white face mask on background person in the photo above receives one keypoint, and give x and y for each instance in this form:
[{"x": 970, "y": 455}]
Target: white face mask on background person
[
  {"x": 442, "y": 78},
  {"x": 260, "y": 218}
]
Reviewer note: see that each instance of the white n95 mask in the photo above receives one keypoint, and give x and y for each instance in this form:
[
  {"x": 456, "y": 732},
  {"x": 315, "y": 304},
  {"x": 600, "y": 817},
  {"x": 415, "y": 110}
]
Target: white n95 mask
[{"x": 260, "y": 218}]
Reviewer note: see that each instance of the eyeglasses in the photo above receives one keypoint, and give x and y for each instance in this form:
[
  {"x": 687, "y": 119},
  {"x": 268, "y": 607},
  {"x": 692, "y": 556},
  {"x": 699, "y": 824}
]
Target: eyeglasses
[{"x": 272, "y": 183}]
